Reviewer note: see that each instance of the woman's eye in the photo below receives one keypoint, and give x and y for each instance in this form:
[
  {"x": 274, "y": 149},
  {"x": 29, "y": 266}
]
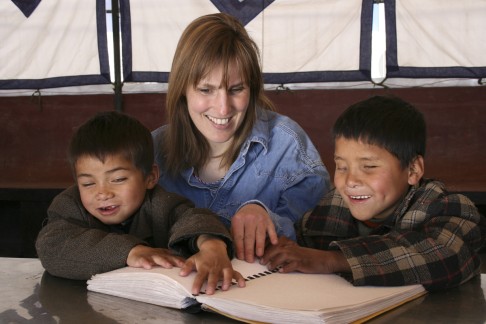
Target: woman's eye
[
  {"x": 87, "y": 184},
  {"x": 118, "y": 180},
  {"x": 204, "y": 90},
  {"x": 236, "y": 90}
]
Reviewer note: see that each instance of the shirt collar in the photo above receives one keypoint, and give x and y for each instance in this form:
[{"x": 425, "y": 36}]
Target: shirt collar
[{"x": 260, "y": 132}]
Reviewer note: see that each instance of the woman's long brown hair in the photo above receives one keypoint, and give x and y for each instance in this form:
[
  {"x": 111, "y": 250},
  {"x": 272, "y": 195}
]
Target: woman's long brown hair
[{"x": 208, "y": 42}]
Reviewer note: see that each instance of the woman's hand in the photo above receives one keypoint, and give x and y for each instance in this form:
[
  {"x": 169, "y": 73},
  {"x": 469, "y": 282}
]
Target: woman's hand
[{"x": 250, "y": 227}]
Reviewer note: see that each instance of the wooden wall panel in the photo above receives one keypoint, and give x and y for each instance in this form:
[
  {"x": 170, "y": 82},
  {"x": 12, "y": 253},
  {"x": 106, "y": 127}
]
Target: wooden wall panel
[{"x": 34, "y": 132}]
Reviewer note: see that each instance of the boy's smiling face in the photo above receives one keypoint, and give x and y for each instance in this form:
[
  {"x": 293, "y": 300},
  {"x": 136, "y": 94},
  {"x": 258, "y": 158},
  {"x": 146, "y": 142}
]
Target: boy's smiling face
[
  {"x": 113, "y": 190},
  {"x": 370, "y": 179}
]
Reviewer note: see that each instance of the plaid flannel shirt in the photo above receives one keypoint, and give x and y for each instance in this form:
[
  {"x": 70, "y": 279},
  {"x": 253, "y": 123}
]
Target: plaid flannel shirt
[{"x": 432, "y": 239}]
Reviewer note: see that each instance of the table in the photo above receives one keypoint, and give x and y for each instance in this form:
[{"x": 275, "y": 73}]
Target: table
[{"x": 31, "y": 295}]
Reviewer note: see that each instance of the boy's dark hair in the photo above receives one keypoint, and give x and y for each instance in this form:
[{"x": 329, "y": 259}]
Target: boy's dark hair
[
  {"x": 111, "y": 133},
  {"x": 385, "y": 121}
]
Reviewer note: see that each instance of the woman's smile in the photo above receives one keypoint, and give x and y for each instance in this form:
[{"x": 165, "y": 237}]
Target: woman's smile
[{"x": 218, "y": 121}]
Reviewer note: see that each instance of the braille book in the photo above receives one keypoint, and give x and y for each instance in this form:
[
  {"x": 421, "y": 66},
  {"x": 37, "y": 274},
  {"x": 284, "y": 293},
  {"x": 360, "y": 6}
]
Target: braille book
[{"x": 269, "y": 296}]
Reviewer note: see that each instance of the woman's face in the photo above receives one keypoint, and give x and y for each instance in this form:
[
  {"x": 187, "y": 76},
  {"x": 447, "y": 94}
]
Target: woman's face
[{"x": 217, "y": 110}]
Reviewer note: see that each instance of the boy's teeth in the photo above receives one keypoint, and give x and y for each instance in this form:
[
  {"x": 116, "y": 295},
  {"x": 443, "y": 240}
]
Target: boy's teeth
[
  {"x": 219, "y": 121},
  {"x": 360, "y": 197}
]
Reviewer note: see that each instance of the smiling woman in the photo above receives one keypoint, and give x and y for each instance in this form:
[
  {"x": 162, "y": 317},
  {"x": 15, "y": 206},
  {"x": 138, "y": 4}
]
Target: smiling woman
[{"x": 225, "y": 148}]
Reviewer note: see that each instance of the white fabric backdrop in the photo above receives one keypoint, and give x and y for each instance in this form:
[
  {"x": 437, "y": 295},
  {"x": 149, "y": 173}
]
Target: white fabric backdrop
[
  {"x": 57, "y": 45},
  {"x": 438, "y": 38},
  {"x": 441, "y": 33},
  {"x": 311, "y": 36},
  {"x": 304, "y": 44}
]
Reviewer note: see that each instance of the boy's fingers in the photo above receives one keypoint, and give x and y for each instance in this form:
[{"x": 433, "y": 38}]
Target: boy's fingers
[
  {"x": 289, "y": 267},
  {"x": 213, "y": 279},
  {"x": 186, "y": 268},
  {"x": 146, "y": 264},
  {"x": 178, "y": 262},
  {"x": 198, "y": 283},
  {"x": 239, "y": 279},
  {"x": 163, "y": 261},
  {"x": 228, "y": 275}
]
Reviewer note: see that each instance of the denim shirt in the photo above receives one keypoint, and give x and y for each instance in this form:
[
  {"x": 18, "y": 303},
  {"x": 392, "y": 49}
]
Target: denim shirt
[{"x": 278, "y": 167}]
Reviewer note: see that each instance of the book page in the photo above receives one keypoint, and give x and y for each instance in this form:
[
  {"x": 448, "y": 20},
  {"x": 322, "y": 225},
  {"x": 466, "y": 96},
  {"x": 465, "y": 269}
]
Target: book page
[
  {"x": 278, "y": 297},
  {"x": 310, "y": 292},
  {"x": 159, "y": 286}
]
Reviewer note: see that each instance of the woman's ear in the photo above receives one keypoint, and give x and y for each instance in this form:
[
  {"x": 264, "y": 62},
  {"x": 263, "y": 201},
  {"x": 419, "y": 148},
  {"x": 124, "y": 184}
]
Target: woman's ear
[
  {"x": 416, "y": 170},
  {"x": 153, "y": 177}
]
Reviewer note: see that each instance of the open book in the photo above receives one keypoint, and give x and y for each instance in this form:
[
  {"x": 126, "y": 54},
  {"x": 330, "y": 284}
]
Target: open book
[{"x": 269, "y": 296}]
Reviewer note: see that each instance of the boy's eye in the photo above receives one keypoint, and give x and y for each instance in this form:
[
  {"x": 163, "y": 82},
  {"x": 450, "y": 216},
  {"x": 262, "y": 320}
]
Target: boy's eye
[
  {"x": 87, "y": 184},
  {"x": 119, "y": 180},
  {"x": 370, "y": 166},
  {"x": 340, "y": 168}
]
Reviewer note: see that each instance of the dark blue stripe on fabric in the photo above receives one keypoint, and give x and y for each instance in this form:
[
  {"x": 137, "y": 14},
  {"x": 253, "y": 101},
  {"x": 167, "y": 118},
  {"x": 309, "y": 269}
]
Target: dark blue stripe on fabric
[
  {"x": 126, "y": 39},
  {"x": 391, "y": 36},
  {"x": 73, "y": 80},
  {"x": 102, "y": 40},
  {"x": 438, "y": 72},
  {"x": 56, "y": 82},
  {"x": 365, "y": 40},
  {"x": 26, "y": 6},
  {"x": 161, "y": 77},
  {"x": 271, "y": 78},
  {"x": 315, "y": 76},
  {"x": 245, "y": 11}
]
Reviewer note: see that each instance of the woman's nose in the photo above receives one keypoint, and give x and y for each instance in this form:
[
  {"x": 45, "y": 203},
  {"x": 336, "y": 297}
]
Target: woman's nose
[{"x": 223, "y": 103}]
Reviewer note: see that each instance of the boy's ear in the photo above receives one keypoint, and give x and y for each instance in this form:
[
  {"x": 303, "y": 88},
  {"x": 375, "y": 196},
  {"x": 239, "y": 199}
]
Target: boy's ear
[
  {"x": 416, "y": 170},
  {"x": 153, "y": 177}
]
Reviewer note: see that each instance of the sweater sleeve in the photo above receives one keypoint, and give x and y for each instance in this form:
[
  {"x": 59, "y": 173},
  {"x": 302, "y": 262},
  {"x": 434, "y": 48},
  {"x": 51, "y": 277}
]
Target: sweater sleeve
[
  {"x": 439, "y": 253},
  {"x": 177, "y": 216},
  {"x": 75, "y": 245}
]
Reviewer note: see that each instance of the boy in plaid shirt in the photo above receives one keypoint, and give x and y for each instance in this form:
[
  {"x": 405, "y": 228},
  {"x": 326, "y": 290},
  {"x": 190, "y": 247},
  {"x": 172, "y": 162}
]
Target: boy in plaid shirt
[{"x": 383, "y": 223}]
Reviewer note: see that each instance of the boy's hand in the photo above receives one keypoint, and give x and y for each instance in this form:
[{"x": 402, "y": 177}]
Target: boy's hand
[
  {"x": 289, "y": 256},
  {"x": 146, "y": 257},
  {"x": 249, "y": 228},
  {"x": 212, "y": 264}
]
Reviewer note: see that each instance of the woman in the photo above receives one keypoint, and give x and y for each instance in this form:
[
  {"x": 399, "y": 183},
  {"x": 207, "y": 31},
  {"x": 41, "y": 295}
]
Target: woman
[{"x": 225, "y": 148}]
